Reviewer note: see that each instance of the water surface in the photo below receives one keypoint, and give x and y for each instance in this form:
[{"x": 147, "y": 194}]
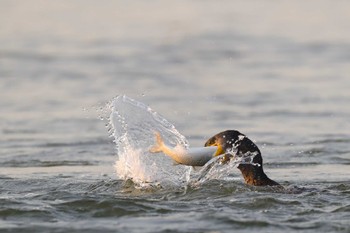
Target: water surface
[{"x": 276, "y": 71}]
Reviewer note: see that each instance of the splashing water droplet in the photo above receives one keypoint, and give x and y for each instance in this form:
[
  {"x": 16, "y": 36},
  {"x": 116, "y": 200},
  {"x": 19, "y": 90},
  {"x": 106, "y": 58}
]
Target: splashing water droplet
[{"x": 134, "y": 125}]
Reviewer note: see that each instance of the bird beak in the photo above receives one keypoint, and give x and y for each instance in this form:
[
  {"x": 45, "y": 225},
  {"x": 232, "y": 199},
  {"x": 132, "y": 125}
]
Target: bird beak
[{"x": 214, "y": 142}]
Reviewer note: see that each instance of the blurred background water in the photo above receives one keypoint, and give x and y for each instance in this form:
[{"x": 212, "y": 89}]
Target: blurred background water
[{"x": 277, "y": 71}]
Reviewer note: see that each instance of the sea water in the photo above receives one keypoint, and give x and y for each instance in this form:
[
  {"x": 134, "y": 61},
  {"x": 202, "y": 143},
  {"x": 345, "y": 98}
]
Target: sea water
[{"x": 277, "y": 71}]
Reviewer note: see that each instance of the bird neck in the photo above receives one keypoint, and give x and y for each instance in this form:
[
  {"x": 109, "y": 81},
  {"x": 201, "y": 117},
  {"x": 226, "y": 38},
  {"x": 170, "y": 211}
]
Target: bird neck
[{"x": 255, "y": 175}]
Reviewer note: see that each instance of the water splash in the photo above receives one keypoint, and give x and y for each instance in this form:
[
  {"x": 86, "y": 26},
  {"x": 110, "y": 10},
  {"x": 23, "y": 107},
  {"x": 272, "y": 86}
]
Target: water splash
[
  {"x": 220, "y": 168},
  {"x": 133, "y": 127}
]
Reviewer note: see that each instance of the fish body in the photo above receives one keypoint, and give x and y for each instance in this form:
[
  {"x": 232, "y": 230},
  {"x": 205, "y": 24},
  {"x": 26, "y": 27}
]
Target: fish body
[{"x": 197, "y": 156}]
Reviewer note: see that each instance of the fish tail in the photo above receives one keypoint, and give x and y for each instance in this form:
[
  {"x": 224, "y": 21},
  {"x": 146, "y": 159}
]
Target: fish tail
[{"x": 158, "y": 147}]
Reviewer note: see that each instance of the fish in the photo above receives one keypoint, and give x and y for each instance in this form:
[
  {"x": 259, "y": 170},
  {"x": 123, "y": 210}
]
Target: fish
[{"x": 196, "y": 156}]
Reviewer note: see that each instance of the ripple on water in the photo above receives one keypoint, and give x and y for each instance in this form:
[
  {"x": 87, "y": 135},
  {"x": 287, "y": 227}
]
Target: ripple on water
[
  {"x": 111, "y": 207},
  {"x": 23, "y": 212},
  {"x": 41, "y": 163}
]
